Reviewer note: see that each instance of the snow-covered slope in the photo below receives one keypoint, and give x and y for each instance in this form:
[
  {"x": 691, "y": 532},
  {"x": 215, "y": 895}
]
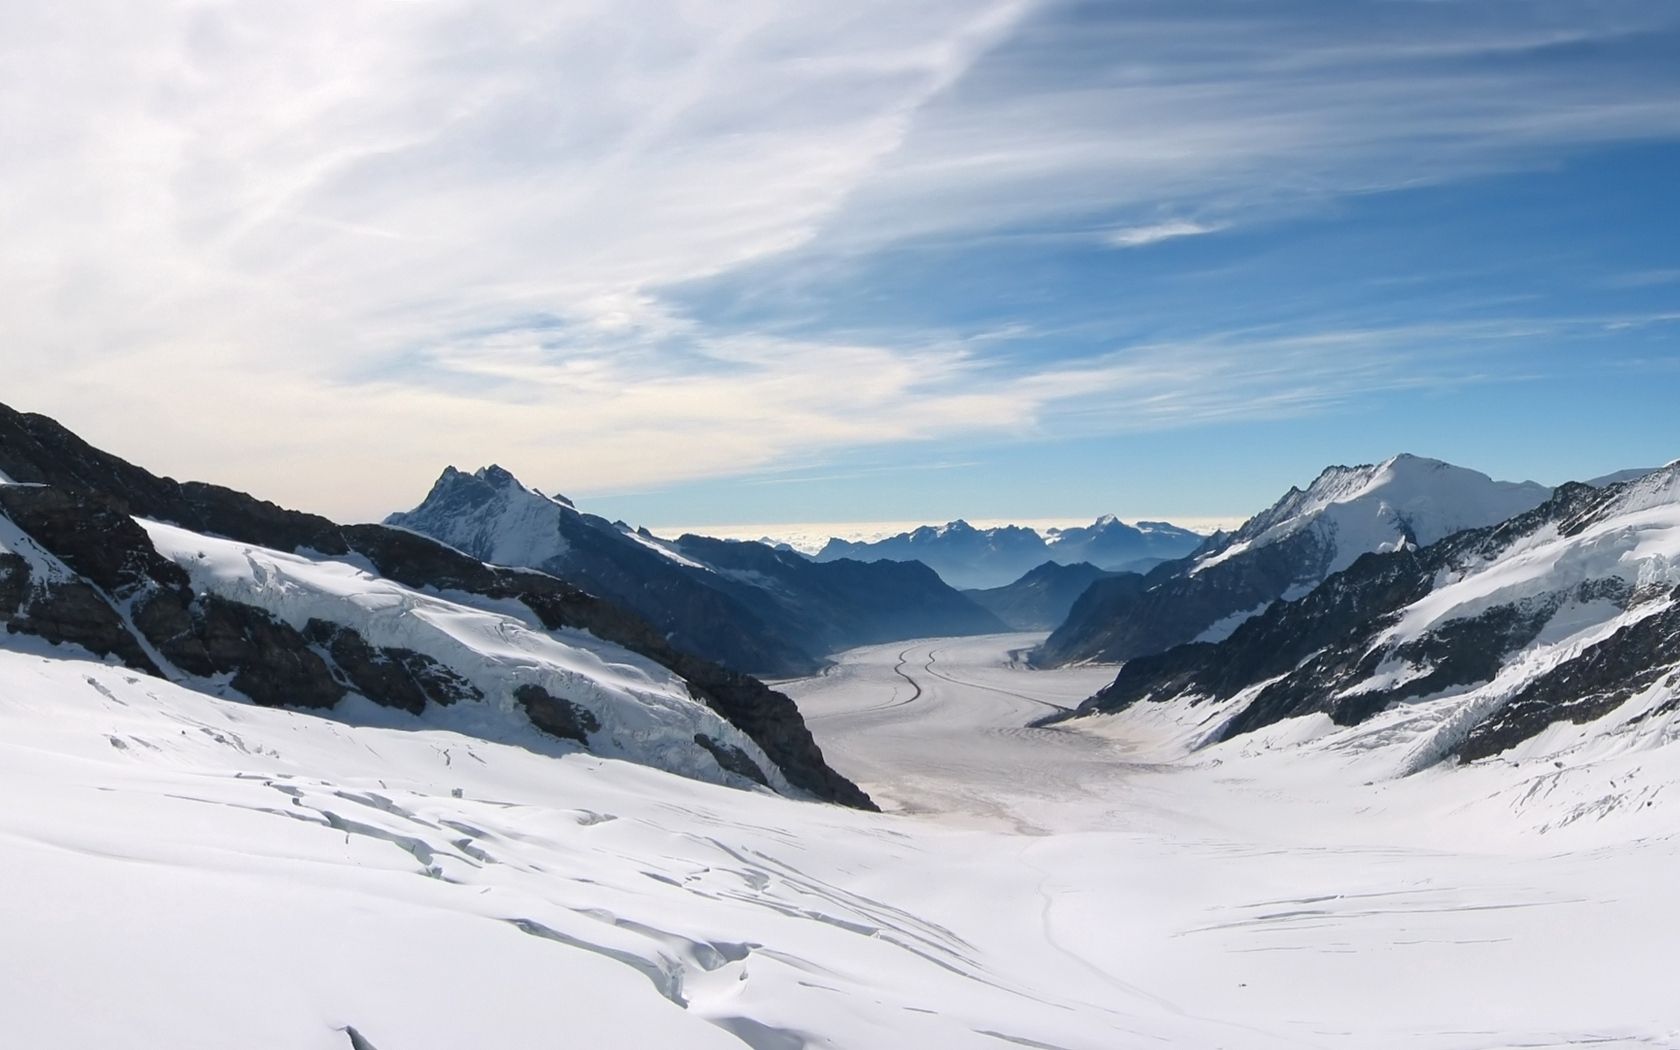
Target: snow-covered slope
[
  {"x": 187, "y": 873},
  {"x": 626, "y": 706},
  {"x": 1355, "y": 510},
  {"x": 1284, "y": 552},
  {"x": 1566, "y": 615},
  {"x": 199, "y": 875}
]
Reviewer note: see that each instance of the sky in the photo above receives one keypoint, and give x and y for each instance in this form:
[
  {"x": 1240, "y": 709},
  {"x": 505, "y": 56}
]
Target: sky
[{"x": 740, "y": 263}]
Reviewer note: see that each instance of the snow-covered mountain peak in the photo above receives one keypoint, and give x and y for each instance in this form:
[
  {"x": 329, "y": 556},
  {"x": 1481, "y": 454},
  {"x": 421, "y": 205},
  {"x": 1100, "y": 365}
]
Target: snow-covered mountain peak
[
  {"x": 491, "y": 514},
  {"x": 1283, "y": 553},
  {"x": 1383, "y": 506}
]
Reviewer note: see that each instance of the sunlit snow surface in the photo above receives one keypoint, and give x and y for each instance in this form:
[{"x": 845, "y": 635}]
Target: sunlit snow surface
[
  {"x": 645, "y": 712},
  {"x": 182, "y": 872},
  {"x": 1372, "y": 508}
]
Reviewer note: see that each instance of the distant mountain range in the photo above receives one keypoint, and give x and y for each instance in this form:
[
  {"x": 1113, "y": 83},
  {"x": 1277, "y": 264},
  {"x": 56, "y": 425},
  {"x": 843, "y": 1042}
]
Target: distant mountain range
[
  {"x": 747, "y": 605},
  {"x": 1282, "y": 553},
  {"x": 972, "y": 558}
]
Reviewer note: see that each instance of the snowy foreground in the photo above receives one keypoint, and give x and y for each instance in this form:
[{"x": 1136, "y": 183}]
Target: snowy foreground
[{"x": 183, "y": 872}]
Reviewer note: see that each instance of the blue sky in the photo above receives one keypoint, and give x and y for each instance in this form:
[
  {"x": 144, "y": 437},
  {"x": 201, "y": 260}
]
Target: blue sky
[{"x": 711, "y": 264}]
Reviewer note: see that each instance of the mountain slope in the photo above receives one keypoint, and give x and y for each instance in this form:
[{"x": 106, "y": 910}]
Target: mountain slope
[
  {"x": 1469, "y": 647},
  {"x": 299, "y": 612},
  {"x": 490, "y": 516},
  {"x": 841, "y": 604},
  {"x": 1043, "y": 597},
  {"x": 745, "y": 604},
  {"x": 1283, "y": 553},
  {"x": 977, "y": 559}
]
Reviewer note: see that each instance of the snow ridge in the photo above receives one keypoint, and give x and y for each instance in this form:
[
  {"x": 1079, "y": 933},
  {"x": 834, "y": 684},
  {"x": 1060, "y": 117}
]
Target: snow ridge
[{"x": 1403, "y": 500}]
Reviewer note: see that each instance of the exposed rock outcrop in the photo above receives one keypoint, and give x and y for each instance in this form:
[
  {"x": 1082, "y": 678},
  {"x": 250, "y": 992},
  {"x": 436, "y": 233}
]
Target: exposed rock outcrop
[{"x": 555, "y": 715}]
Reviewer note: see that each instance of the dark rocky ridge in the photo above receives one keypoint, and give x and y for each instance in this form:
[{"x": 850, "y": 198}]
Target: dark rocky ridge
[
  {"x": 1128, "y": 616},
  {"x": 1588, "y": 687},
  {"x": 1043, "y": 597},
  {"x": 1314, "y": 650},
  {"x": 82, "y": 516},
  {"x": 400, "y": 678},
  {"x": 732, "y": 758},
  {"x": 65, "y": 613},
  {"x": 842, "y": 604}
]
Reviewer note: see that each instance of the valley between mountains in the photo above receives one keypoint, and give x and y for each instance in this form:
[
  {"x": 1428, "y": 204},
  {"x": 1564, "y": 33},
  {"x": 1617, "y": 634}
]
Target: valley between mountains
[{"x": 1393, "y": 765}]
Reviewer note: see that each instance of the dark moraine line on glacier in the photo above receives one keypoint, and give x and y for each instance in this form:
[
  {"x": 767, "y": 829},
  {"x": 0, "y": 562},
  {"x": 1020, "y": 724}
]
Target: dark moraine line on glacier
[
  {"x": 960, "y": 744},
  {"x": 904, "y": 658},
  {"x": 934, "y": 656}
]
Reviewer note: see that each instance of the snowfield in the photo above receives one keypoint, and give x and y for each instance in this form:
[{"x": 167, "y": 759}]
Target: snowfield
[{"x": 182, "y": 872}]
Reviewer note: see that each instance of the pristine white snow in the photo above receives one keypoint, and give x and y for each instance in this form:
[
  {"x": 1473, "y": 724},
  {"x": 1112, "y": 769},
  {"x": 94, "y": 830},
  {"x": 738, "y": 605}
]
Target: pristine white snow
[
  {"x": 645, "y": 711},
  {"x": 186, "y": 873},
  {"x": 1358, "y": 510}
]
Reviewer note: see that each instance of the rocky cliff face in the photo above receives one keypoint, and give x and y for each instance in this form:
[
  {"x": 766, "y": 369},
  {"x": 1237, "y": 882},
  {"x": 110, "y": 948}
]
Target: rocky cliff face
[
  {"x": 1565, "y": 613},
  {"x": 76, "y": 568},
  {"x": 1284, "y": 552}
]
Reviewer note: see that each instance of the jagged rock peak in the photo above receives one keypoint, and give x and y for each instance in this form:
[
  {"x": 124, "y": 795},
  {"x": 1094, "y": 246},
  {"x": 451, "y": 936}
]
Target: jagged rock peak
[{"x": 455, "y": 484}]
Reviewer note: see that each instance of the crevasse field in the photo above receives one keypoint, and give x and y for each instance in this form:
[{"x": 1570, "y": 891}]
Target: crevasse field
[{"x": 196, "y": 874}]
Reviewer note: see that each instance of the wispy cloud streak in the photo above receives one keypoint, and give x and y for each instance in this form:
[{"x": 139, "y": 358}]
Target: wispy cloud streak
[{"x": 376, "y": 237}]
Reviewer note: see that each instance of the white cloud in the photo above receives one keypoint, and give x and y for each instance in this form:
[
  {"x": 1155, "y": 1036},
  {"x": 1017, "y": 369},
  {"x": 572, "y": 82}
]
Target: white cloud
[
  {"x": 373, "y": 238},
  {"x": 1138, "y": 236}
]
